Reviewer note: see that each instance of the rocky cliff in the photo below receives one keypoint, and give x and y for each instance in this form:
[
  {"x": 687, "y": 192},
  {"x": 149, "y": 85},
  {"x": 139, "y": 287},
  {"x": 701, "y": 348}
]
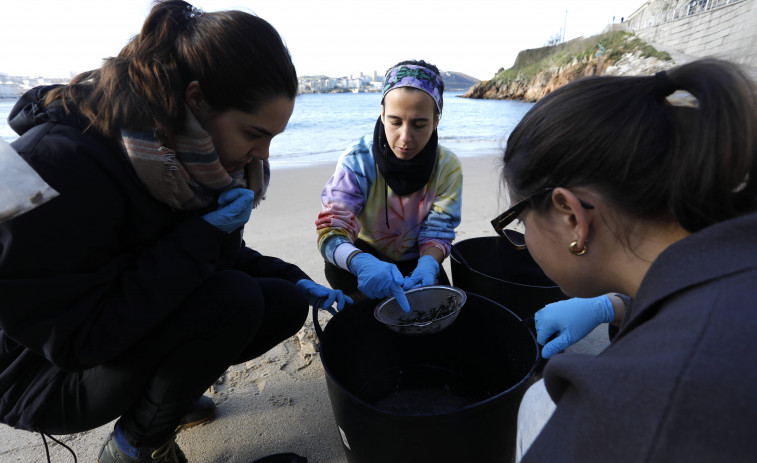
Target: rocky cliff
[{"x": 537, "y": 72}]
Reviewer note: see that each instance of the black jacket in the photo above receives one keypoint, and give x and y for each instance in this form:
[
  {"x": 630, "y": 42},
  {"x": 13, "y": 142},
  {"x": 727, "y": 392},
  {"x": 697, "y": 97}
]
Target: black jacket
[
  {"x": 678, "y": 383},
  {"x": 86, "y": 275}
]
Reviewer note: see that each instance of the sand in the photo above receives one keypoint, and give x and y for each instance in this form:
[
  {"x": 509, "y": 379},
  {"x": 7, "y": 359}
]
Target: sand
[{"x": 279, "y": 402}]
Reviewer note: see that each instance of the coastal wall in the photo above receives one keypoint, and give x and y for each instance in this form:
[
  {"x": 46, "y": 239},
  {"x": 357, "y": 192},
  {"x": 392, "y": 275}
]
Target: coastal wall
[
  {"x": 724, "y": 29},
  {"x": 686, "y": 29}
]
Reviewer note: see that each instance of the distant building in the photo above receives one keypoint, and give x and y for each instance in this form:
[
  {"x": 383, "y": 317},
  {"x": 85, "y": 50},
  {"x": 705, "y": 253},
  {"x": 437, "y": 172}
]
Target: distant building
[
  {"x": 376, "y": 85},
  {"x": 361, "y": 82}
]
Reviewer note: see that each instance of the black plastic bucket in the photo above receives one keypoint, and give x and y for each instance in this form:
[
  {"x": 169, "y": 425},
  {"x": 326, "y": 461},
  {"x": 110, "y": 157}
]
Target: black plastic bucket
[
  {"x": 451, "y": 396},
  {"x": 491, "y": 267}
]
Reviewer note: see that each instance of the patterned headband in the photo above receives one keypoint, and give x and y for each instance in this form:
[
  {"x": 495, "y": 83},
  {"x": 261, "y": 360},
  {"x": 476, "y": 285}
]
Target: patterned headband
[{"x": 410, "y": 75}]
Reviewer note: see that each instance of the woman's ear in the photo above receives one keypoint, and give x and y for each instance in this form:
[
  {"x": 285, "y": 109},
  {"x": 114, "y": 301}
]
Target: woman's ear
[
  {"x": 573, "y": 218},
  {"x": 194, "y": 99}
]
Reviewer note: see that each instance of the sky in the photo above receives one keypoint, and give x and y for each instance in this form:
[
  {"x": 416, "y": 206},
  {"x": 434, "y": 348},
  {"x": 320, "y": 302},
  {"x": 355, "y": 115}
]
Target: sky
[{"x": 56, "y": 38}]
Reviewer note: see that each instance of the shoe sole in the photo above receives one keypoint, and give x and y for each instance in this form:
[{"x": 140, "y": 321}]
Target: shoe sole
[{"x": 184, "y": 426}]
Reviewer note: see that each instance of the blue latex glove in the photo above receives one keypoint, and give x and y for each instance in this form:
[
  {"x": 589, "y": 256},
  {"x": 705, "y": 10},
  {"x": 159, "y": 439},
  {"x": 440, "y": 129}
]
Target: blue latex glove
[
  {"x": 572, "y": 319},
  {"x": 313, "y": 292},
  {"x": 378, "y": 279},
  {"x": 424, "y": 274},
  {"x": 234, "y": 209}
]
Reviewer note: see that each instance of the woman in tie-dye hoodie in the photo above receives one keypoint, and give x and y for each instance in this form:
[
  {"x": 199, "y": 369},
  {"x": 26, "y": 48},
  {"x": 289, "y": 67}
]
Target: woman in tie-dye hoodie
[{"x": 391, "y": 208}]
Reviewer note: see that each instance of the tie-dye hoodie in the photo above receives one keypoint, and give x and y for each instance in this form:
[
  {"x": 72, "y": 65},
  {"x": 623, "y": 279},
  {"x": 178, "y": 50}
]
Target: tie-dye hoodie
[{"x": 354, "y": 206}]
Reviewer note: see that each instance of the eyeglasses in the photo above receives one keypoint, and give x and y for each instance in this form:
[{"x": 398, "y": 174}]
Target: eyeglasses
[{"x": 515, "y": 237}]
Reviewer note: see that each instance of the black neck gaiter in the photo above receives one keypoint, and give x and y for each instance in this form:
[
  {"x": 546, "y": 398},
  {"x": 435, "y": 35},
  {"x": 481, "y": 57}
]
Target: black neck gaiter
[{"x": 403, "y": 176}]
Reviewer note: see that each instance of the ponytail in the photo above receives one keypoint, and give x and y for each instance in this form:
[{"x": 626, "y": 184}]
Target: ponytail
[
  {"x": 716, "y": 178},
  {"x": 238, "y": 59}
]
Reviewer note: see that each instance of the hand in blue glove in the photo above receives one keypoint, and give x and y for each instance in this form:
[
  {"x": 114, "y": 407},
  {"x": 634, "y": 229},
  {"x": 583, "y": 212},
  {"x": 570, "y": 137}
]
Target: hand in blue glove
[
  {"x": 313, "y": 292},
  {"x": 572, "y": 319},
  {"x": 234, "y": 209},
  {"x": 378, "y": 279},
  {"x": 424, "y": 274}
]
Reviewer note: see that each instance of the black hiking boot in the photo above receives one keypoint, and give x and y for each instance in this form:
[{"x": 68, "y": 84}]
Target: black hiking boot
[{"x": 169, "y": 452}]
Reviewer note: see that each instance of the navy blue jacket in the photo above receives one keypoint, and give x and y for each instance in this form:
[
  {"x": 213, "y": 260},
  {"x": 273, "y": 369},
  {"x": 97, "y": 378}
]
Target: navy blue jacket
[
  {"x": 86, "y": 275},
  {"x": 678, "y": 383}
]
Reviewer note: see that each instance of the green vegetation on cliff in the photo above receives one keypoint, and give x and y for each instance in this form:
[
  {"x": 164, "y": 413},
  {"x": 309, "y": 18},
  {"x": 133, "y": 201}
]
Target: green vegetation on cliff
[
  {"x": 539, "y": 71},
  {"x": 610, "y": 45}
]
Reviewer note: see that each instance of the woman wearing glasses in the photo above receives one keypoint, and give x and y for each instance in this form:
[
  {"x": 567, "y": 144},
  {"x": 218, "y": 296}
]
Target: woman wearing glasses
[
  {"x": 623, "y": 190},
  {"x": 562, "y": 323},
  {"x": 393, "y": 203}
]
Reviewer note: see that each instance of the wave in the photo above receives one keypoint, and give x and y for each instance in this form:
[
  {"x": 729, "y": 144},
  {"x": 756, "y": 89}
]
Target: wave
[
  {"x": 305, "y": 153},
  {"x": 454, "y": 139}
]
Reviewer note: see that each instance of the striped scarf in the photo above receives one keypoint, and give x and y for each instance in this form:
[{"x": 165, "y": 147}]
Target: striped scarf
[{"x": 189, "y": 176}]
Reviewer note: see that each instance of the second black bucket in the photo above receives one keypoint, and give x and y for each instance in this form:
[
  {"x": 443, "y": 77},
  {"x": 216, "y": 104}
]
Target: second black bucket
[
  {"x": 447, "y": 397},
  {"x": 491, "y": 267}
]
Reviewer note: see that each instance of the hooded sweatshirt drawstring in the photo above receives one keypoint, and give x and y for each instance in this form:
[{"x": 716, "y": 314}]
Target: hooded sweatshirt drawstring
[
  {"x": 47, "y": 450},
  {"x": 386, "y": 192},
  {"x": 386, "y": 205}
]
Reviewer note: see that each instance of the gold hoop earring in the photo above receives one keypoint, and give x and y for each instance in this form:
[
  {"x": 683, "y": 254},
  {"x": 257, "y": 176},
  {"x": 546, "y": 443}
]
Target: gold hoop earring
[{"x": 577, "y": 252}]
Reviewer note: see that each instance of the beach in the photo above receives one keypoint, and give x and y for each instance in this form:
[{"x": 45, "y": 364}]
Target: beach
[{"x": 279, "y": 402}]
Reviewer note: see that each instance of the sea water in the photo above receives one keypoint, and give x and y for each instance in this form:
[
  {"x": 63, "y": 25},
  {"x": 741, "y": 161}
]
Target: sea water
[
  {"x": 323, "y": 125},
  {"x": 6, "y": 104}
]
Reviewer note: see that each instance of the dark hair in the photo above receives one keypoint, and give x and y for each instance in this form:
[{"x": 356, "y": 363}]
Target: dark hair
[
  {"x": 239, "y": 60},
  {"x": 415, "y": 62},
  {"x": 652, "y": 159}
]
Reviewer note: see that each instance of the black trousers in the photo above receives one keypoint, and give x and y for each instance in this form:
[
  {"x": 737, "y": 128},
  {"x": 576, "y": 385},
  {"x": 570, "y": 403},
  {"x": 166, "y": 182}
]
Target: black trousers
[
  {"x": 342, "y": 279},
  {"x": 230, "y": 319}
]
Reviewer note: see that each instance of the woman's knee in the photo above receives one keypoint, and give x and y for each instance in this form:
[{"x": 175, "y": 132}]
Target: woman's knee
[
  {"x": 257, "y": 301},
  {"x": 286, "y": 309},
  {"x": 286, "y": 302},
  {"x": 340, "y": 279},
  {"x": 226, "y": 297}
]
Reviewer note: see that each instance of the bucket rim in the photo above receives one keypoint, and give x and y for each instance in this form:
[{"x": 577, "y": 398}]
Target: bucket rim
[
  {"x": 453, "y": 413},
  {"x": 455, "y": 258}
]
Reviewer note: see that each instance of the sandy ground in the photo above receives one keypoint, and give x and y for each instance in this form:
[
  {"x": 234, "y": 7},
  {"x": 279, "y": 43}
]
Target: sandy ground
[{"x": 279, "y": 402}]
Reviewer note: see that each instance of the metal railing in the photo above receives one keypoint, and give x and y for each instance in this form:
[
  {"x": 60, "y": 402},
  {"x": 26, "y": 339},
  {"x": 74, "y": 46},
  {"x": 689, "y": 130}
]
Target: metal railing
[{"x": 691, "y": 8}]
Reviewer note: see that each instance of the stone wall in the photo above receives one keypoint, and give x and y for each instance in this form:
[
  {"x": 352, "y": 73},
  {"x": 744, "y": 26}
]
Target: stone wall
[{"x": 725, "y": 29}]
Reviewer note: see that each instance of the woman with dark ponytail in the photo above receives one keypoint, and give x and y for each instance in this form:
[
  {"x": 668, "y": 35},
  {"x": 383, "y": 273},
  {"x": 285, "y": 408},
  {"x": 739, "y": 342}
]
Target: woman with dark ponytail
[
  {"x": 130, "y": 293},
  {"x": 622, "y": 188}
]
